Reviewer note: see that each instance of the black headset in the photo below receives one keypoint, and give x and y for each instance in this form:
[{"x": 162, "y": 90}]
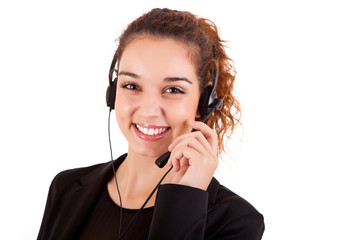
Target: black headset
[{"x": 208, "y": 102}]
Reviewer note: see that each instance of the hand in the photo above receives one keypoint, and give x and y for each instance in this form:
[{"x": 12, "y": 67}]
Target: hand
[{"x": 194, "y": 156}]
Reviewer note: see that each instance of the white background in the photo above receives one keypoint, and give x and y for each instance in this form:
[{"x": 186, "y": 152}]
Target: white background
[{"x": 298, "y": 83}]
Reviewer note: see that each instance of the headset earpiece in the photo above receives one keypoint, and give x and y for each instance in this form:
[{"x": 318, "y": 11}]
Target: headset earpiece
[
  {"x": 111, "y": 89},
  {"x": 208, "y": 101},
  {"x": 111, "y": 94},
  {"x": 204, "y": 102}
]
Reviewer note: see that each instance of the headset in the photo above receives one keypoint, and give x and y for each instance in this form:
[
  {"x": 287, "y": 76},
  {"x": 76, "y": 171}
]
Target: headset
[{"x": 208, "y": 103}]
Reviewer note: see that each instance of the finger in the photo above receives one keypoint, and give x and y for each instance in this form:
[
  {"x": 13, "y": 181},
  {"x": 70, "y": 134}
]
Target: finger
[
  {"x": 191, "y": 156},
  {"x": 193, "y": 142},
  {"x": 184, "y": 164},
  {"x": 208, "y": 133},
  {"x": 194, "y": 135},
  {"x": 176, "y": 163},
  {"x": 169, "y": 163},
  {"x": 175, "y": 158}
]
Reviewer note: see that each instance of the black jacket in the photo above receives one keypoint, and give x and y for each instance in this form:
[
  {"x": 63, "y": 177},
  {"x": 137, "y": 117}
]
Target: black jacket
[{"x": 180, "y": 212}]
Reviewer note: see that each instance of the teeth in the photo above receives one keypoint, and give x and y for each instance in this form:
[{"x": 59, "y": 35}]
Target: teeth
[{"x": 151, "y": 131}]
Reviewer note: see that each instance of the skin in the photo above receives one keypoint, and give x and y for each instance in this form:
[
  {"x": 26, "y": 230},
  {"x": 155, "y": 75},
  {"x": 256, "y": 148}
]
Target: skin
[{"x": 158, "y": 87}]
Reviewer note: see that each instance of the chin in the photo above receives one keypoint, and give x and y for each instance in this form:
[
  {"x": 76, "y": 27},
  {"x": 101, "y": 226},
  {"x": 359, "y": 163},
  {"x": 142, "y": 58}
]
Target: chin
[{"x": 149, "y": 152}]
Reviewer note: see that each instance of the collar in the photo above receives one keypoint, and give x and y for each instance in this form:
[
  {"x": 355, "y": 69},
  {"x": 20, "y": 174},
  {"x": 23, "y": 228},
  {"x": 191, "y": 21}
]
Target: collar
[{"x": 104, "y": 173}]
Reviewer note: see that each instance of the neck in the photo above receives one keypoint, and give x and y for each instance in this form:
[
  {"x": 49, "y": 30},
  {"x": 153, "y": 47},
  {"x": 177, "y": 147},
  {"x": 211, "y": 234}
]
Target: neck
[
  {"x": 140, "y": 167},
  {"x": 138, "y": 175}
]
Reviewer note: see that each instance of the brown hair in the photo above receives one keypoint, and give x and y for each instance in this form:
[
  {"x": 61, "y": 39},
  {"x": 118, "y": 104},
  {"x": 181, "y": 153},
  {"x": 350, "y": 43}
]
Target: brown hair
[{"x": 202, "y": 35}]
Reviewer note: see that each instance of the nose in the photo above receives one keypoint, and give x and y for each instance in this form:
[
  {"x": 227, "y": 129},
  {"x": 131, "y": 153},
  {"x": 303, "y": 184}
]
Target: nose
[{"x": 151, "y": 105}]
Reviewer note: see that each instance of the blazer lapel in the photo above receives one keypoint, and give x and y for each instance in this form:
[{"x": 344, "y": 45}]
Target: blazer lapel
[{"x": 78, "y": 202}]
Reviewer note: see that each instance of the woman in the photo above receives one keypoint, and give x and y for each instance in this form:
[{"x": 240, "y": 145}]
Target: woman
[{"x": 171, "y": 67}]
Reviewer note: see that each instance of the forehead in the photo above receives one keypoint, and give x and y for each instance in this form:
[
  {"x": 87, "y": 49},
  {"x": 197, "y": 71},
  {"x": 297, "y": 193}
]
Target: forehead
[{"x": 154, "y": 55}]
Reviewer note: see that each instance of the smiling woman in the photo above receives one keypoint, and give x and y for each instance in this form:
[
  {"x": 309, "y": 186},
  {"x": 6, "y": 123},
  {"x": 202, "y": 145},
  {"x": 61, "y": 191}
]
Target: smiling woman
[
  {"x": 173, "y": 77},
  {"x": 161, "y": 92}
]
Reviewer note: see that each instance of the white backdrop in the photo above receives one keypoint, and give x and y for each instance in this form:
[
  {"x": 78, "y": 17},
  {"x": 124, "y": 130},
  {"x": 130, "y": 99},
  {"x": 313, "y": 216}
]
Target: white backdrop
[{"x": 298, "y": 73}]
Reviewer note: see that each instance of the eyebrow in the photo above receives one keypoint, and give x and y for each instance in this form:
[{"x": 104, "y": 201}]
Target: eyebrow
[
  {"x": 168, "y": 79},
  {"x": 129, "y": 74},
  {"x": 174, "y": 79}
]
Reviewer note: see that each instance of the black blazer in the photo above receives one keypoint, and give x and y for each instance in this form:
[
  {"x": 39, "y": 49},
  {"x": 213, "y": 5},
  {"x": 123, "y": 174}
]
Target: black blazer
[{"x": 180, "y": 212}]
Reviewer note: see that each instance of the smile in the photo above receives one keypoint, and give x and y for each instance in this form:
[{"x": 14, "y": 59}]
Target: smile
[{"x": 150, "y": 132}]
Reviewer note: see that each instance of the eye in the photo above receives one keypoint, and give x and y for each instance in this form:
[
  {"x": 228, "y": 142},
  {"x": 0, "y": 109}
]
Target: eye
[
  {"x": 174, "y": 90},
  {"x": 130, "y": 86}
]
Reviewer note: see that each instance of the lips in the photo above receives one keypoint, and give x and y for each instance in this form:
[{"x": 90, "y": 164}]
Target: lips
[{"x": 150, "y": 132}]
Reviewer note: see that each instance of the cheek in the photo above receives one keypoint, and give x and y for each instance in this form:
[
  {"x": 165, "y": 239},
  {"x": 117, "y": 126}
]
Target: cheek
[
  {"x": 186, "y": 107},
  {"x": 182, "y": 113},
  {"x": 123, "y": 109},
  {"x": 120, "y": 99}
]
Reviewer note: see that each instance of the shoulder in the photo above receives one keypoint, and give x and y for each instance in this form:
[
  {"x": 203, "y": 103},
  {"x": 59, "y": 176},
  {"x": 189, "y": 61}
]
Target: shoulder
[
  {"x": 83, "y": 175},
  {"x": 231, "y": 214},
  {"x": 71, "y": 175},
  {"x": 66, "y": 178},
  {"x": 234, "y": 203}
]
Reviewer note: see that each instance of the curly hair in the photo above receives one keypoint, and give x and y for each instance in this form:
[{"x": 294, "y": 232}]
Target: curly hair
[{"x": 201, "y": 35}]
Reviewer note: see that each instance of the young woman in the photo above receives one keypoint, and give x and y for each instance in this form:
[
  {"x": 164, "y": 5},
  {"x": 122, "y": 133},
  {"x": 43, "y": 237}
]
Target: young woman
[{"x": 172, "y": 92}]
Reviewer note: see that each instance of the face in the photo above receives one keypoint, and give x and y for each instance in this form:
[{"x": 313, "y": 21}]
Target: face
[{"x": 157, "y": 92}]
